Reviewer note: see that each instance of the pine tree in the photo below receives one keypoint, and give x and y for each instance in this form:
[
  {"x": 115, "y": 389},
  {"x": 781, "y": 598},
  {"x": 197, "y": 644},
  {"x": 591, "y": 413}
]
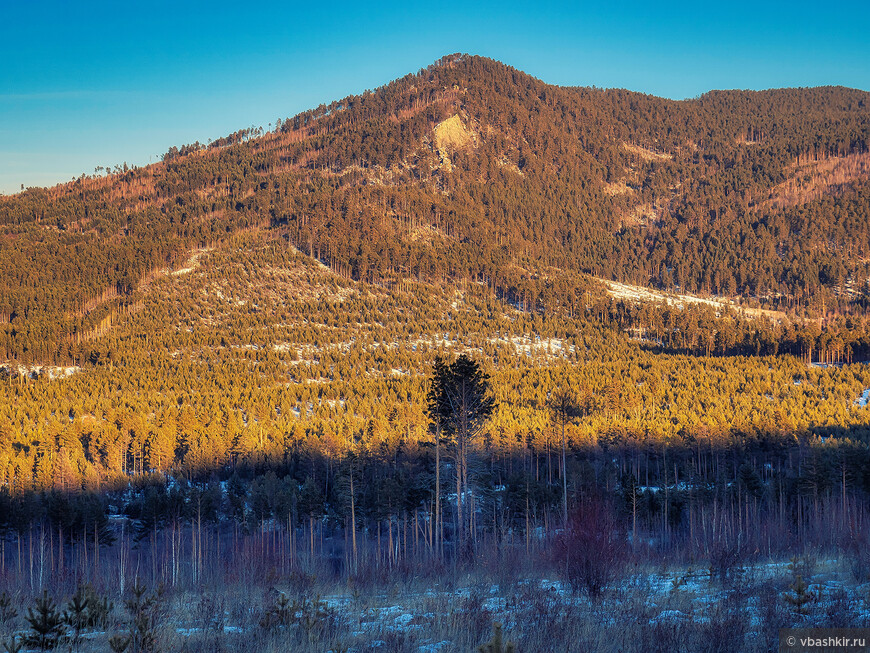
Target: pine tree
[
  {"x": 142, "y": 623},
  {"x": 460, "y": 404},
  {"x": 563, "y": 408},
  {"x": 8, "y": 612},
  {"x": 14, "y": 645},
  {"x": 495, "y": 645},
  {"x": 800, "y": 595},
  {"x": 76, "y": 614},
  {"x": 46, "y": 622}
]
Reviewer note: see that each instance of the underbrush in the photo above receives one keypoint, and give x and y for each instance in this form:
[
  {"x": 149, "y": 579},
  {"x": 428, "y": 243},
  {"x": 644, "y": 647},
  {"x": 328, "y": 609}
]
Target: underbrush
[{"x": 649, "y": 606}]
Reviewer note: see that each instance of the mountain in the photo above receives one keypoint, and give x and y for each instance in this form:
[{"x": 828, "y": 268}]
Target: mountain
[
  {"x": 472, "y": 170},
  {"x": 447, "y": 353}
]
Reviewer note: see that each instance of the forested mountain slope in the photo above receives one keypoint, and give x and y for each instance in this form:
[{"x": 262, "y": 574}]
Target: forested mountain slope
[
  {"x": 252, "y": 330},
  {"x": 253, "y": 355},
  {"x": 471, "y": 170}
]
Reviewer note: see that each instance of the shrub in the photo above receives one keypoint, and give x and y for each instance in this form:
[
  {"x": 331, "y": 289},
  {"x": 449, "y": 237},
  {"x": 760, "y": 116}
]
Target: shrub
[
  {"x": 8, "y": 612},
  {"x": 46, "y": 622},
  {"x": 725, "y": 558},
  {"x": 142, "y": 609},
  {"x": 495, "y": 645},
  {"x": 14, "y": 645},
  {"x": 592, "y": 551}
]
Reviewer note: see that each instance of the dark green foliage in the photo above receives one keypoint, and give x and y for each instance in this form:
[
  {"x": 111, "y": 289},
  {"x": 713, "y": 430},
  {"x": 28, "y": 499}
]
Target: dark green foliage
[
  {"x": 46, "y": 624},
  {"x": 458, "y": 396},
  {"x": 751, "y": 480},
  {"x": 8, "y": 612},
  {"x": 76, "y": 614},
  {"x": 14, "y": 645},
  {"x": 86, "y": 609},
  {"x": 143, "y": 613},
  {"x": 119, "y": 643},
  {"x": 800, "y": 594},
  {"x": 282, "y": 613},
  {"x": 315, "y": 618},
  {"x": 310, "y": 618},
  {"x": 459, "y": 404},
  {"x": 81, "y": 515},
  {"x": 99, "y": 608}
]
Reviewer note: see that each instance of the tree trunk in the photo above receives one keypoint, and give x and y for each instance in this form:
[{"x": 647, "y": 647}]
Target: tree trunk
[
  {"x": 564, "y": 482},
  {"x": 439, "y": 530},
  {"x": 353, "y": 520}
]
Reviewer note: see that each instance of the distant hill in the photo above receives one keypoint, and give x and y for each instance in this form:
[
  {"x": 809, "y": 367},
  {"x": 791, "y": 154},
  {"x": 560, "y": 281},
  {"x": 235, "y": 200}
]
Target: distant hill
[{"x": 472, "y": 170}]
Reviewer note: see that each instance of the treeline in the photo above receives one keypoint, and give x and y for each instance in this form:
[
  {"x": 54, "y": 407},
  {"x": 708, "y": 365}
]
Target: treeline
[
  {"x": 377, "y": 508},
  {"x": 702, "y": 330}
]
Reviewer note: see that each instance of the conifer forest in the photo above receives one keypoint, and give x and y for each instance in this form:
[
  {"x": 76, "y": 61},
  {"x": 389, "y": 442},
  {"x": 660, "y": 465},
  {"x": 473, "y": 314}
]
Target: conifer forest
[{"x": 468, "y": 362}]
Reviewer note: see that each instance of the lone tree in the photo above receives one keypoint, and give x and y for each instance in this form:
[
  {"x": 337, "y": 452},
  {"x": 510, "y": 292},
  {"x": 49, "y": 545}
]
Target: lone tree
[{"x": 459, "y": 405}]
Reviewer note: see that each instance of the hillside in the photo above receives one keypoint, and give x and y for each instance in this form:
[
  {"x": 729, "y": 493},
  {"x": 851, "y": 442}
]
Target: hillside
[
  {"x": 254, "y": 353},
  {"x": 236, "y": 376},
  {"x": 256, "y": 426},
  {"x": 471, "y": 170}
]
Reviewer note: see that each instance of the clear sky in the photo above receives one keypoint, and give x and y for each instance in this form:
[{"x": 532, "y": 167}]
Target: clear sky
[{"x": 99, "y": 83}]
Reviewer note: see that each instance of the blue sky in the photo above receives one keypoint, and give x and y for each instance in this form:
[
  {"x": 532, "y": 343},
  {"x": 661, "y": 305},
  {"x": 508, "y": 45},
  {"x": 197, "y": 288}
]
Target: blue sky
[{"x": 98, "y": 83}]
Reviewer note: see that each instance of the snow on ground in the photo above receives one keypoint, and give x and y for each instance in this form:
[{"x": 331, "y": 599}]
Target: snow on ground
[
  {"x": 640, "y": 294},
  {"x": 192, "y": 263},
  {"x": 34, "y": 371},
  {"x": 525, "y": 345},
  {"x": 681, "y": 595},
  {"x": 531, "y": 345},
  {"x": 863, "y": 399},
  {"x": 632, "y": 293}
]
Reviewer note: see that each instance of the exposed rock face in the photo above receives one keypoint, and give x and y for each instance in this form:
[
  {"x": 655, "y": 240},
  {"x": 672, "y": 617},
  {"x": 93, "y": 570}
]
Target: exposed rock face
[{"x": 451, "y": 135}]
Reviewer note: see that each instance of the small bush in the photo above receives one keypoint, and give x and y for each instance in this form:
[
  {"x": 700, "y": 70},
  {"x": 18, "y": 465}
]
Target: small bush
[
  {"x": 309, "y": 616},
  {"x": 800, "y": 595},
  {"x": 495, "y": 645},
  {"x": 46, "y": 624},
  {"x": 857, "y": 550},
  {"x": 8, "y": 612},
  {"x": 14, "y": 645},
  {"x": 725, "y": 558},
  {"x": 726, "y": 629},
  {"x": 592, "y": 551},
  {"x": 143, "y": 609}
]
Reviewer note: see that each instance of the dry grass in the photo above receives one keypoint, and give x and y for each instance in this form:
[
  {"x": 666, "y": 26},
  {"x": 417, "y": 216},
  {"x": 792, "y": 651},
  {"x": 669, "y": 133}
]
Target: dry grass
[
  {"x": 651, "y": 608},
  {"x": 617, "y": 188}
]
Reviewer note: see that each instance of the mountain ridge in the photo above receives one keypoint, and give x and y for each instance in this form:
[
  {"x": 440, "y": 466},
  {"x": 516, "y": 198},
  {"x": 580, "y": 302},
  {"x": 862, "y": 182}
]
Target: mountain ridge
[{"x": 527, "y": 178}]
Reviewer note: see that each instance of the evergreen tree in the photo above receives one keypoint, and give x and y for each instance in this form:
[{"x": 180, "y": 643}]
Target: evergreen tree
[
  {"x": 460, "y": 404},
  {"x": 46, "y": 624}
]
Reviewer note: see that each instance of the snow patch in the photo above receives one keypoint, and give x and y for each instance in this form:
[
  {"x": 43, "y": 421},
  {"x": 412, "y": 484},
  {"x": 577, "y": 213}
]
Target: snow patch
[
  {"x": 640, "y": 294},
  {"x": 37, "y": 371}
]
